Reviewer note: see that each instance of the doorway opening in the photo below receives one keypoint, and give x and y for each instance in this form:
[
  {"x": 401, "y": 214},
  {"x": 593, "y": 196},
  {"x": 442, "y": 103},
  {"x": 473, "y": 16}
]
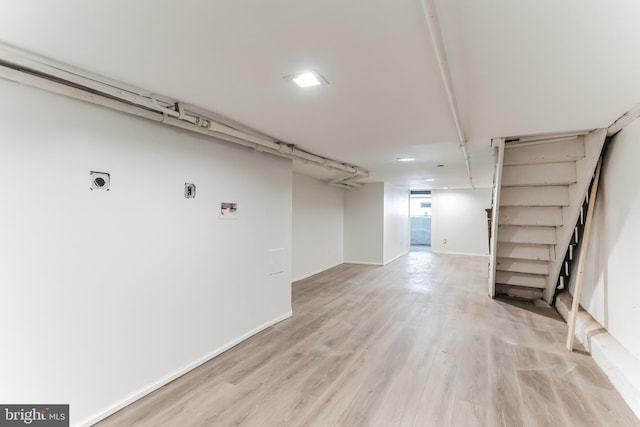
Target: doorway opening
[{"x": 420, "y": 216}]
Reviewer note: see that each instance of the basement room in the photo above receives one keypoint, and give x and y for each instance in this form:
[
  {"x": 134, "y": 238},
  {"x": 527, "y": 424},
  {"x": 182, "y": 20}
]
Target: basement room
[{"x": 295, "y": 213}]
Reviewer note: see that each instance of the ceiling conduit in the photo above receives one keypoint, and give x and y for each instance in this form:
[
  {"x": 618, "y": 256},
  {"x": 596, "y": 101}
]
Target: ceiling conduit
[
  {"x": 32, "y": 71},
  {"x": 431, "y": 15}
]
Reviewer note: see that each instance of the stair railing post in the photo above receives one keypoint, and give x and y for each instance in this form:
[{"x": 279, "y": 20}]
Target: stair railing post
[
  {"x": 577, "y": 292},
  {"x": 498, "y": 144}
]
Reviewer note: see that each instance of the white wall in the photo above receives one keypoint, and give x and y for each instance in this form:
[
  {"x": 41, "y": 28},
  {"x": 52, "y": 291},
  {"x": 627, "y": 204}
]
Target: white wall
[
  {"x": 364, "y": 224},
  {"x": 318, "y": 226},
  {"x": 105, "y": 294},
  {"x": 397, "y": 229},
  {"x": 611, "y": 293},
  {"x": 459, "y": 217}
]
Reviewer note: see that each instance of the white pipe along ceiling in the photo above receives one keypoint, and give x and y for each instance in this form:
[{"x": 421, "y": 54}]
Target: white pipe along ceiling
[
  {"x": 27, "y": 69},
  {"x": 433, "y": 23}
]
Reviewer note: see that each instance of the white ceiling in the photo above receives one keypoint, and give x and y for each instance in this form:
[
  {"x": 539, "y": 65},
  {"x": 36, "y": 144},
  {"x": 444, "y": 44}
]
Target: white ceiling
[{"x": 518, "y": 67}]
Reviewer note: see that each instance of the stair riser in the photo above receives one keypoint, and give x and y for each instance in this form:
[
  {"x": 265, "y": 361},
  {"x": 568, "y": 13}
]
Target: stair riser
[
  {"x": 544, "y": 153},
  {"x": 536, "y": 235},
  {"x": 519, "y": 279},
  {"x": 519, "y": 292},
  {"x": 530, "y": 216},
  {"x": 522, "y": 266},
  {"x": 535, "y": 196},
  {"x": 539, "y": 174},
  {"x": 527, "y": 252}
]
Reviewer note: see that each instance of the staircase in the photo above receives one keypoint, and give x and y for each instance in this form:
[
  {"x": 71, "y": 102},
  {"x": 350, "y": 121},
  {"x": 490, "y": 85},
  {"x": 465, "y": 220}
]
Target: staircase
[{"x": 540, "y": 188}]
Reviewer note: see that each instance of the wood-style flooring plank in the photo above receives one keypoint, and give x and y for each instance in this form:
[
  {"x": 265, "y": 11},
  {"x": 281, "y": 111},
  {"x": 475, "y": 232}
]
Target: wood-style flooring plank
[{"x": 414, "y": 343}]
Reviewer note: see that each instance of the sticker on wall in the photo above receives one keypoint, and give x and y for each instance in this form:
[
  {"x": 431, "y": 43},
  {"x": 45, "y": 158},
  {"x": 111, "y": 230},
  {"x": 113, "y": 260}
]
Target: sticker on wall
[
  {"x": 228, "y": 210},
  {"x": 100, "y": 180},
  {"x": 189, "y": 190}
]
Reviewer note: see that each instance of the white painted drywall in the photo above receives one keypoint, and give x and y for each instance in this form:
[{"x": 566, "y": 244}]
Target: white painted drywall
[
  {"x": 611, "y": 293},
  {"x": 459, "y": 217},
  {"x": 105, "y": 295},
  {"x": 397, "y": 230},
  {"x": 364, "y": 224},
  {"x": 318, "y": 226}
]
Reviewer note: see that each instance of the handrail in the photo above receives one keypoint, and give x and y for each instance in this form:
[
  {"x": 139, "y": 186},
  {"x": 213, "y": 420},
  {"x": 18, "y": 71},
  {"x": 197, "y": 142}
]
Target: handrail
[
  {"x": 498, "y": 143},
  {"x": 575, "y": 306}
]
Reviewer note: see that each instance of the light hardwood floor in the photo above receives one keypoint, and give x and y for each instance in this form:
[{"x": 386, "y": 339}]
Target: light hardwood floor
[{"x": 415, "y": 343}]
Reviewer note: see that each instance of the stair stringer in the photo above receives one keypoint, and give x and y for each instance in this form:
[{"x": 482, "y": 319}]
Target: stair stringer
[{"x": 585, "y": 167}]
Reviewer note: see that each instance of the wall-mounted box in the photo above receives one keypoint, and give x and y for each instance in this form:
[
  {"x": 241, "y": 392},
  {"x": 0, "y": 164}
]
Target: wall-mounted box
[
  {"x": 189, "y": 190},
  {"x": 100, "y": 180},
  {"x": 228, "y": 210}
]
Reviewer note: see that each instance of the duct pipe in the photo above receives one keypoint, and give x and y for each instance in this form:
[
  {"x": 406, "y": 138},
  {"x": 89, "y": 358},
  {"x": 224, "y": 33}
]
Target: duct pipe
[
  {"x": 72, "y": 92},
  {"x": 26, "y": 70},
  {"x": 9, "y": 58},
  {"x": 343, "y": 183},
  {"x": 76, "y": 93},
  {"x": 431, "y": 15},
  {"x": 347, "y": 185},
  {"x": 347, "y": 180}
]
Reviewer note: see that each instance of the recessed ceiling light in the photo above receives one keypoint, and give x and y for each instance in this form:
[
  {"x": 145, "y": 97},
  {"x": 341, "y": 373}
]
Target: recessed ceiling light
[
  {"x": 307, "y": 79},
  {"x": 446, "y": 188},
  {"x": 430, "y": 179},
  {"x": 405, "y": 159}
]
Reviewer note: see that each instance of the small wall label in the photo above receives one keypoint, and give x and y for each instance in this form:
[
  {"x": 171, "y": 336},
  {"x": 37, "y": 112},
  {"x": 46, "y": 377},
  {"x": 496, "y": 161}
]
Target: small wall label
[{"x": 228, "y": 210}]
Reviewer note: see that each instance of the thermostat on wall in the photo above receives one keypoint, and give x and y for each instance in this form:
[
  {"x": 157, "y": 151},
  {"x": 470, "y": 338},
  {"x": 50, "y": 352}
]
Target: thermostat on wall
[{"x": 228, "y": 210}]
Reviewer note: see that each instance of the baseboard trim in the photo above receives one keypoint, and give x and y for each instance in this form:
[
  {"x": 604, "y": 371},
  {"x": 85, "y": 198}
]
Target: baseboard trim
[
  {"x": 458, "y": 253},
  {"x": 305, "y": 276},
  {"x": 396, "y": 257},
  {"x": 178, "y": 373},
  {"x": 622, "y": 367},
  {"x": 364, "y": 263}
]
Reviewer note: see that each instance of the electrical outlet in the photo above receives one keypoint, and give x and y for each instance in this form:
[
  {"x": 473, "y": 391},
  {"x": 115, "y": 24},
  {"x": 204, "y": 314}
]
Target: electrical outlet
[{"x": 444, "y": 241}]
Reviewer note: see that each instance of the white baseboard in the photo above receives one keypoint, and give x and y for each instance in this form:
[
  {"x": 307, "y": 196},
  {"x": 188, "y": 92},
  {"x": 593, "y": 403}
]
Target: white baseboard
[
  {"x": 377, "y": 263},
  {"x": 458, "y": 253},
  {"x": 178, "y": 373},
  {"x": 304, "y": 276},
  {"x": 395, "y": 258},
  {"x": 622, "y": 367},
  {"x": 364, "y": 263}
]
